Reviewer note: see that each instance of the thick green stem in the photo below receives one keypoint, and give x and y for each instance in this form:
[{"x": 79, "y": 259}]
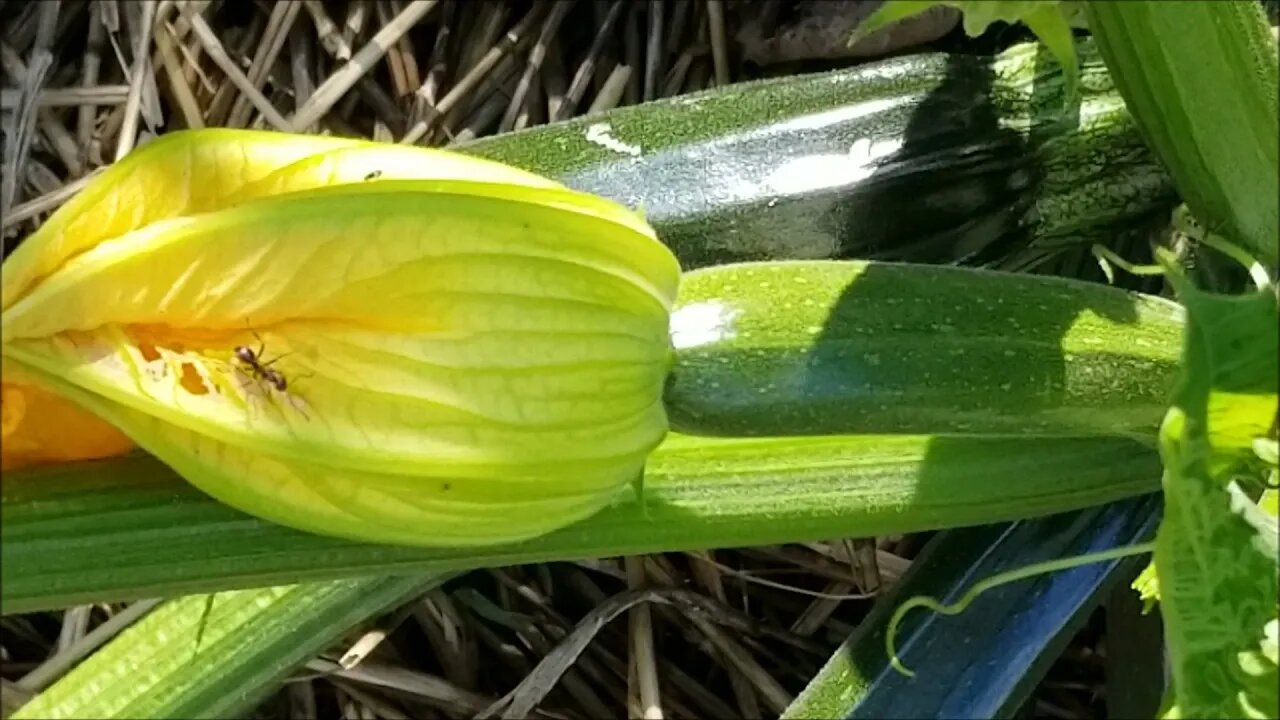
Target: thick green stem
[
  {"x": 217, "y": 655},
  {"x": 161, "y": 537}
]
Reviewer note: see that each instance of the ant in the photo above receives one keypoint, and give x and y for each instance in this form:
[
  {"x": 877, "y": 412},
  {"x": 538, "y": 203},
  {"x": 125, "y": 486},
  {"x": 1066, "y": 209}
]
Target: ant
[
  {"x": 261, "y": 370},
  {"x": 252, "y": 362},
  {"x": 373, "y": 175}
]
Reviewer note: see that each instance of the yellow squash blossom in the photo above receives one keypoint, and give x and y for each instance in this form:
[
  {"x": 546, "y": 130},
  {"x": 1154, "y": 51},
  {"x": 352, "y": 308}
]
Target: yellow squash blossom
[
  {"x": 379, "y": 342},
  {"x": 38, "y": 427}
]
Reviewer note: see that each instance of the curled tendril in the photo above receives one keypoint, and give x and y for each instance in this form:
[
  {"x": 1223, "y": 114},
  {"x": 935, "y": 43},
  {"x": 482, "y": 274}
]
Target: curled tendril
[
  {"x": 993, "y": 582},
  {"x": 1184, "y": 224}
]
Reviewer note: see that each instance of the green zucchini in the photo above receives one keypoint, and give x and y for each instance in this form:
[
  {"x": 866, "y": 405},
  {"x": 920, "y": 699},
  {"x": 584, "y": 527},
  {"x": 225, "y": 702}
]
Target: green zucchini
[
  {"x": 932, "y": 158},
  {"x": 829, "y": 347}
]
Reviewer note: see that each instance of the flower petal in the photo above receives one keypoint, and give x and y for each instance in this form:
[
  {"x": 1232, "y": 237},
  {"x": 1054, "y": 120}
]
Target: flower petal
[
  {"x": 190, "y": 172},
  {"x": 459, "y": 361},
  {"x": 505, "y": 503}
]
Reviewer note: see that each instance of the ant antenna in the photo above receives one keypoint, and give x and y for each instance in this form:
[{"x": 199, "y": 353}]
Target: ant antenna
[{"x": 262, "y": 346}]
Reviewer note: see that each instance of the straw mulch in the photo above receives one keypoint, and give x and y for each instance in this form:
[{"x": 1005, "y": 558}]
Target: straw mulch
[{"x": 86, "y": 82}]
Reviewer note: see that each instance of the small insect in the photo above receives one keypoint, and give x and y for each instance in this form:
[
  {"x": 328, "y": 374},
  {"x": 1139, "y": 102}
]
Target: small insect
[
  {"x": 373, "y": 175},
  {"x": 261, "y": 370},
  {"x": 253, "y": 363}
]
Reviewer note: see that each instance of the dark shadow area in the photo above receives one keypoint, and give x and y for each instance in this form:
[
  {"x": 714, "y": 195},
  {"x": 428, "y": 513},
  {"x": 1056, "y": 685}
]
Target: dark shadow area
[
  {"x": 935, "y": 157},
  {"x": 958, "y": 186},
  {"x": 995, "y": 168},
  {"x": 907, "y": 160},
  {"x": 1021, "y": 369},
  {"x": 988, "y": 361}
]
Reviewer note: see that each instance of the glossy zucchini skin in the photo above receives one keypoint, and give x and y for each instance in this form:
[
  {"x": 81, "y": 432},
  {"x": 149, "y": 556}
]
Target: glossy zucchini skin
[
  {"x": 932, "y": 157},
  {"x": 828, "y": 347}
]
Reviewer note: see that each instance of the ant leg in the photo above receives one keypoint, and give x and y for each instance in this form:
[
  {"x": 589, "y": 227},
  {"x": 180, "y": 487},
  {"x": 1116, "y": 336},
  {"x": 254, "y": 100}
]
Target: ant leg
[
  {"x": 293, "y": 402},
  {"x": 273, "y": 360}
]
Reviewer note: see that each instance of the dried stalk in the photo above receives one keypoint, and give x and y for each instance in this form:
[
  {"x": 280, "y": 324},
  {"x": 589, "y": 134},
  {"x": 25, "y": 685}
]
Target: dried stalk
[
  {"x": 21, "y": 134},
  {"x": 614, "y": 88},
  {"x": 137, "y": 78},
  {"x": 586, "y": 70},
  {"x": 553, "y": 80},
  {"x": 534, "y": 65},
  {"x": 330, "y": 39},
  {"x": 337, "y": 85},
  {"x": 356, "y": 13},
  {"x": 704, "y": 571},
  {"x": 631, "y": 49},
  {"x": 85, "y": 97},
  {"x": 61, "y": 142},
  {"x": 437, "y": 68},
  {"x": 679, "y": 18},
  {"x": 89, "y": 72},
  {"x": 643, "y": 661},
  {"x": 188, "y": 106},
  {"x": 514, "y": 38},
  {"x": 300, "y": 61},
  {"x": 56, "y": 666},
  {"x": 280, "y": 24},
  {"x": 213, "y": 46},
  {"x": 653, "y": 52},
  {"x": 719, "y": 47},
  {"x": 675, "y": 78}
]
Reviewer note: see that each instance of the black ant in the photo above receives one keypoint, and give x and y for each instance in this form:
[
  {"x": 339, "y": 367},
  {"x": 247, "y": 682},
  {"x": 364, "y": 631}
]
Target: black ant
[
  {"x": 254, "y": 365},
  {"x": 373, "y": 175},
  {"x": 261, "y": 370}
]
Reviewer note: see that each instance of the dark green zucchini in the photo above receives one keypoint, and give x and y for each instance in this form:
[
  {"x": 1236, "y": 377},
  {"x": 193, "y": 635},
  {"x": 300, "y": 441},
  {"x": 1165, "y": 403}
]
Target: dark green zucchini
[
  {"x": 932, "y": 158},
  {"x": 828, "y": 347}
]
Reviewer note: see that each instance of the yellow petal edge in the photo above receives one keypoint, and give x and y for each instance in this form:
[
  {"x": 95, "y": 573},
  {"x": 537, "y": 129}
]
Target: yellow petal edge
[{"x": 471, "y": 354}]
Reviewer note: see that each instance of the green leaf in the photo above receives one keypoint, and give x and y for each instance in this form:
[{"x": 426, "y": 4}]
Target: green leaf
[
  {"x": 1216, "y": 553},
  {"x": 1217, "y": 597},
  {"x": 891, "y": 12},
  {"x": 1049, "y": 24},
  {"x": 206, "y": 656},
  {"x": 1050, "y": 20},
  {"x": 1270, "y": 502},
  {"x": 1200, "y": 79},
  {"x": 1229, "y": 379}
]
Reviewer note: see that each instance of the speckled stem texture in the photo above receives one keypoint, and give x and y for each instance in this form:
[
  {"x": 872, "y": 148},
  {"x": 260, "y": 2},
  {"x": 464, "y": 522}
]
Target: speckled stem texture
[{"x": 805, "y": 348}]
